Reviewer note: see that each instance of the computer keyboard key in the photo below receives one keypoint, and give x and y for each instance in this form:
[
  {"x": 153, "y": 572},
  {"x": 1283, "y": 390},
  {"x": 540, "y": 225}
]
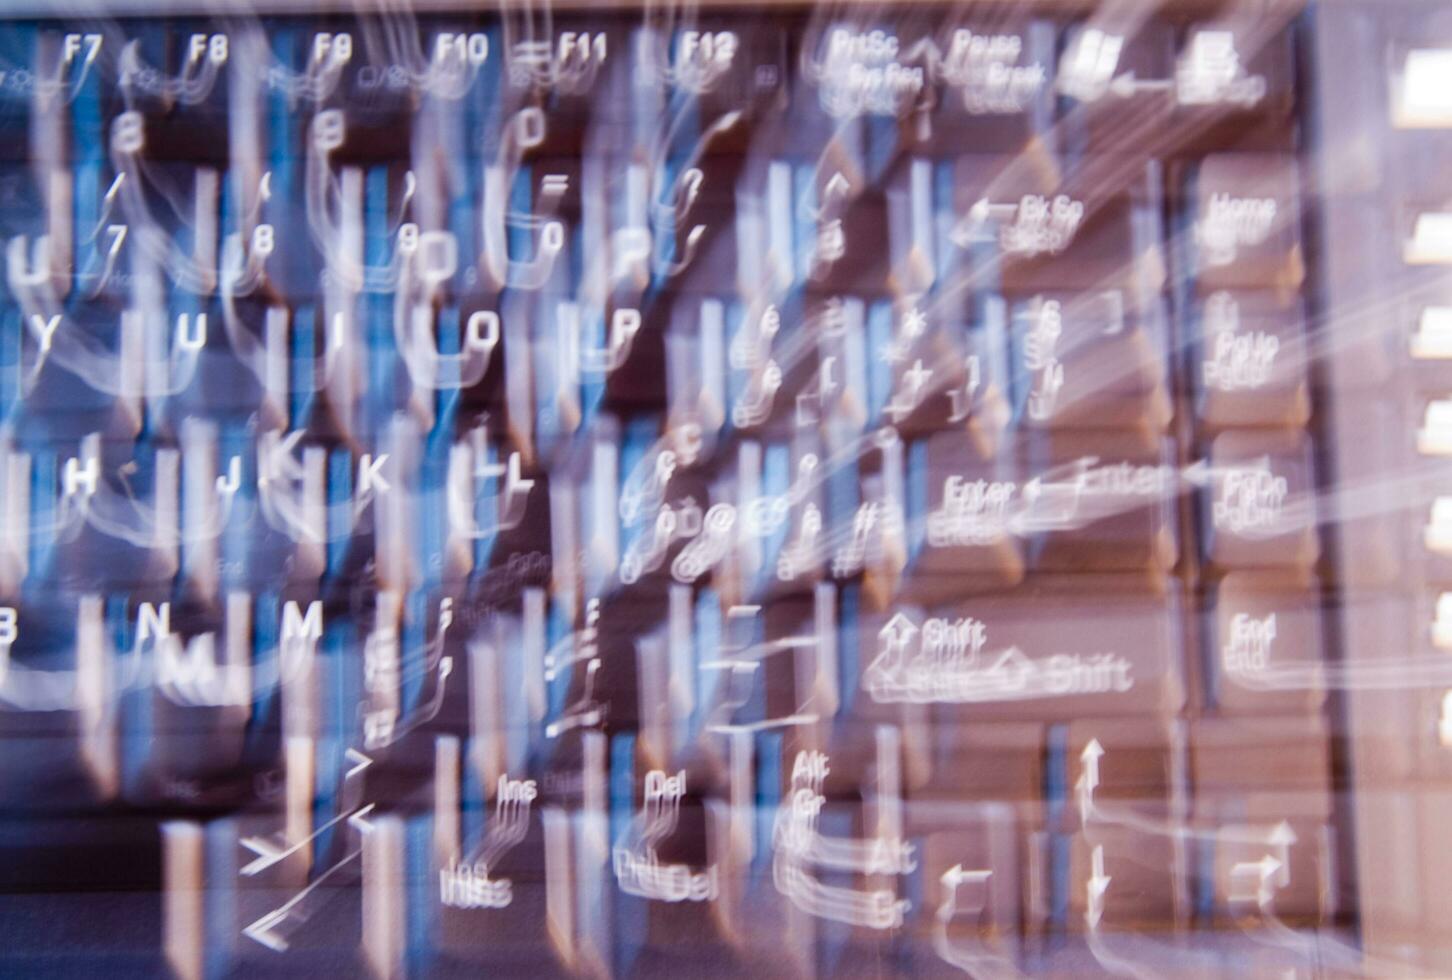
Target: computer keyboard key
[
  {"x": 1265, "y": 643},
  {"x": 1138, "y": 761},
  {"x": 972, "y": 871},
  {"x": 1252, "y": 361},
  {"x": 989, "y": 761},
  {"x": 1246, "y": 223},
  {"x": 1100, "y": 501},
  {"x": 1051, "y": 226},
  {"x": 1256, "y": 769},
  {"x": 996, "y": 82},
  {"x": 1259, "y": 501},
  {"x": 1090, "y": 361},
  {"x": 959, "y": 517},
  {"x": 1124, "y": 880},
  {"x": 1271, "y": 876},
  {"x": 1235, "y": 81},
  {"x": 1111, "y": 81},
  {"x": 1001, "y": 658}
]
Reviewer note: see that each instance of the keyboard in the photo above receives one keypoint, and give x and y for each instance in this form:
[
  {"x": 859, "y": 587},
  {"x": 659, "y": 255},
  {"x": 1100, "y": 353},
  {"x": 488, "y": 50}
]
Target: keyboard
[{"x": 788, "y": 490}]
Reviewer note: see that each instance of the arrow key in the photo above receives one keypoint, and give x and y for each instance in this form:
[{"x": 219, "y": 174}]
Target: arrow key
[
  {"x": 1124, "y": 880},
  {"x": 1123, "y": 766},
  {"x": 1274, "y": 874}
]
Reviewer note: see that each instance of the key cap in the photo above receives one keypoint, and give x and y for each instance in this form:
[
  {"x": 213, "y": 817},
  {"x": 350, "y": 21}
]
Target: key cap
[
  {"x": 1234, "y": 81},
  {"x": 853, "y": 248},
  {"x": 1088, "y": 361},
  {"x": 730, "y": 73},
  {"x": 1260, "y": 768},
  {"x": 1269, "y": 876},
  {"x": 959, "y": 510},
  {"x": 996, "y": 82},
  {"x": 1099, "y": 501},
  {"x": 947, "y": 376},
  {"x": 150, "y": 72},
  {"x": 1144, "y": 890},
  {"x": 1135, "y": 761},
  {"x": 1265, "y": 644},
  {"x": 1114, "y": 82},
  {"x": 1057, "y": 228},
  {"x": 1246, "y": 230},
  {"x": 1000, "y": 658},
  {"x": 972, "y": 883},
  {"x": 1259, "y": 501},
  {"x": 203, "y": 688},
  {"x": 63, "y": 723},
  {"x": 865, "y": 68},
  {"x": 1420, "y": 83},
  {"x": 1001, "y": 762},
  {"x": 18, "y": 52},
  {"x": 1252, "y": 360}
]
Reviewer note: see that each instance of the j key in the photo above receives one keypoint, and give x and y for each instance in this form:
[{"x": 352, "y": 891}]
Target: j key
[
  {"x": 1000, "y": 658},
  {"x": 1246, "y": 224},
  {"x": 1099, "y": 501},
  {"x": 1259, "y": 501},
  {"x": 1090, "y": 361},
  {"x": 1251, "y": 362},
  {"x": 1265, "y": 642}
]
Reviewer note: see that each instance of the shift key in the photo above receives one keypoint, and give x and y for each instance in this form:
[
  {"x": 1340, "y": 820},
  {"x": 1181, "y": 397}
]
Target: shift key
[{"x": 1039, "y": 653}]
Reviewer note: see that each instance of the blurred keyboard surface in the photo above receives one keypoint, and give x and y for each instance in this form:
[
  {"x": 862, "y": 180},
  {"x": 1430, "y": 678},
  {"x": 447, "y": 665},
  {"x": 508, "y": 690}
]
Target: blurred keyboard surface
[{"x": 852, "y": 489}]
